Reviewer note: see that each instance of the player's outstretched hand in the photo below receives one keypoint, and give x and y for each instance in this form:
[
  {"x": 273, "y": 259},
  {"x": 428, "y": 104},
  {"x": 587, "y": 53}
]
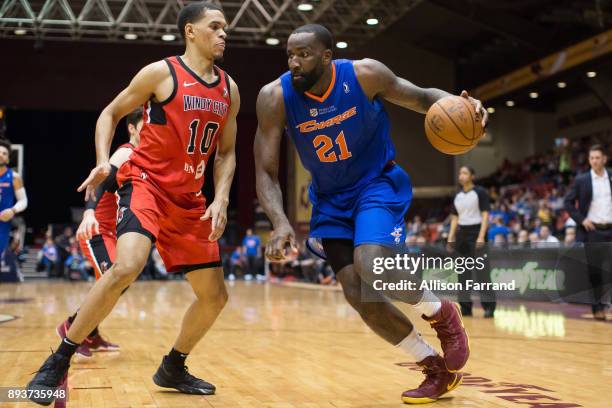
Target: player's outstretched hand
[
  {"x": 218, "y": 212},
  {"x": 478, "y": 108},
  {"x": 276, "y": 249},
  {"x": 96, "y": 176},
  {"x": 89, "y": 226}
]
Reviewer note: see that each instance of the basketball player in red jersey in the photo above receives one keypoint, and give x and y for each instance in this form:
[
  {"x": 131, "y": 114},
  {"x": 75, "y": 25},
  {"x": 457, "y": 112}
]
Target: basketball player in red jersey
[
  {"x": 190, "y": 110},
  {"x": 97, "y": 233}
]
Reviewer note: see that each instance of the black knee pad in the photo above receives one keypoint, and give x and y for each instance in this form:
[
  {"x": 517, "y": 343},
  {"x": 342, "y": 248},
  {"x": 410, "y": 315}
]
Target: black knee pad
[{"x": 339, "y": 252}]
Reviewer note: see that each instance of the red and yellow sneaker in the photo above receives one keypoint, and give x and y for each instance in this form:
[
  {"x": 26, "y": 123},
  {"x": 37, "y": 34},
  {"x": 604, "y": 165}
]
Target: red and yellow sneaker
[
  {"x": 449, "y": 326},
  {"x": 438, "y": 381}
]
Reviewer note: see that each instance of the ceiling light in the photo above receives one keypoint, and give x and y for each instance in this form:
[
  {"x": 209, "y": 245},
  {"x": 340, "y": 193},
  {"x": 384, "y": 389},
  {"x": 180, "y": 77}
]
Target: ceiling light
[
  {"x": 305, "y": 7},
  {"x": 168, "y": 37},
  {"x": 533, "y": 95},
  {"x": 20, "y": 31},
  {"x": 561, "y": 84},
  {"x": 272, "y": 41},
  {"x": 491, "y": 110},
  {"x": 130, "y": 36},
  {"x": 591, "y": 74},
  {"x": 372, "y": 21},
  {"x": 509, "y": 104},
  {"x": 341, "y": 44}
]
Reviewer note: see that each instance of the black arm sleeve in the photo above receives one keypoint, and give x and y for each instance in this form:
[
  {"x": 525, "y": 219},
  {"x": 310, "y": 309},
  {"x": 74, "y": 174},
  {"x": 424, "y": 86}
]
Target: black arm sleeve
[
  {"x": 108, "y": 185},
  {"x": 483, "y": 199},
  {"x": 453, "y": 208}
]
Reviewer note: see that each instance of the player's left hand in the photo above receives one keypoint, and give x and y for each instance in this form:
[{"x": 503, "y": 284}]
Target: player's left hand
[
  {"x": 478, "y": 108},
  {"x": 218, "y": 212},
  {"x": 7, "y": 215}
]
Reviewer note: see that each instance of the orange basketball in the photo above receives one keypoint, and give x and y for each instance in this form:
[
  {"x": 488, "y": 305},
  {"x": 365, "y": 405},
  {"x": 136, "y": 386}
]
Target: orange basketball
[{"x": 452, "y": 125}]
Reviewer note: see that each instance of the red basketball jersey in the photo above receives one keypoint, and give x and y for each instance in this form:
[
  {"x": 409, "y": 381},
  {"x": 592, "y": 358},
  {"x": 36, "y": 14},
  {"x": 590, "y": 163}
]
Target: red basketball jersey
[
  {"x": 106, "y": 210},
  {"x": 180, "y": 134}
]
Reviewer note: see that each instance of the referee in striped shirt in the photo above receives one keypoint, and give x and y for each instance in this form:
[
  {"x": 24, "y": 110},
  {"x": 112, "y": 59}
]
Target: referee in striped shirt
[{"x": 468, "y": 230}]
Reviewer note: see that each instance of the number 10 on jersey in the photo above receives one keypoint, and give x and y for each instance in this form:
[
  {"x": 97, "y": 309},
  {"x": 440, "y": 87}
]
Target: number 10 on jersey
[{"x": 208, "y": 135}]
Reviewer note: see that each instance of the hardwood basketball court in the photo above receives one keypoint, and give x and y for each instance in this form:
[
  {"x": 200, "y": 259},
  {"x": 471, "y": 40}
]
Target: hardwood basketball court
[{"x": 301, "y": 346}]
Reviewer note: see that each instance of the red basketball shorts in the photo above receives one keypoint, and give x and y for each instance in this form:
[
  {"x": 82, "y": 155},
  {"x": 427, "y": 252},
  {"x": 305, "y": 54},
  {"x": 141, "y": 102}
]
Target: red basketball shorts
[{"x": 172, "y": 221}]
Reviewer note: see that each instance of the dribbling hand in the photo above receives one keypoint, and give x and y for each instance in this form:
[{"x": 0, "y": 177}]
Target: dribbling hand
[
  {"x": 478, "y": 108},
  {"x": 96, "y": 176}
]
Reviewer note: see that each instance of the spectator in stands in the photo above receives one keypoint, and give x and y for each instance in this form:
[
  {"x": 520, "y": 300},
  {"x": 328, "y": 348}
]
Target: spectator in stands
[
  {"x": 499, "y": 240},
  {"x": 534, "y": 238},
  {"x": 237, "y": 264},
  {"x": 47, "y": 256},
  {"x": 76, "y": 267},
  {"x": 415, "y": 227},
  {"x": 545, "y": 239},
  {"x": 64, "y": 249},
  {"x": 544, "y": 213},
  {"x": 251, "y": 247},
  {"x": 589, "y": 203},
  {"x": 498, "y": 228},
  {"x": 570, "y": 237}
]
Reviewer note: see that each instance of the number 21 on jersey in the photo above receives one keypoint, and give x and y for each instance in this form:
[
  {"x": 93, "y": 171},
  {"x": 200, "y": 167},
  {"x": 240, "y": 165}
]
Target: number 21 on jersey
[{"x": 325, "y": 148}]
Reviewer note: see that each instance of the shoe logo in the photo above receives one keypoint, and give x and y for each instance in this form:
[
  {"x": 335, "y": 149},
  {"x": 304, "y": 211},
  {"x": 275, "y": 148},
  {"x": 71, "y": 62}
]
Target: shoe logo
[
  {"x": 453, "y": 384},
  {"x": 187, "y": 84}
]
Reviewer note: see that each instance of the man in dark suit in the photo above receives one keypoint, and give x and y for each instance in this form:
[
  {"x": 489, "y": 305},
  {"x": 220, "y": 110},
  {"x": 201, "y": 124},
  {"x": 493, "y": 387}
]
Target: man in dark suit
[{"x": 589, "y": 203}]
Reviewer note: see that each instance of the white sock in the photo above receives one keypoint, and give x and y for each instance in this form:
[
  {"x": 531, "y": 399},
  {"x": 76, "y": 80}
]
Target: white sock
[
  {"x": 414, "y": 345},
  {"x": 429, "y": 304}
]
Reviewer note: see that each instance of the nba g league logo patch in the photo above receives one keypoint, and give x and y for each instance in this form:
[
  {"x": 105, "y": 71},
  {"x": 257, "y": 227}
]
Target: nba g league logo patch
[{"x": 314, "y": 112}]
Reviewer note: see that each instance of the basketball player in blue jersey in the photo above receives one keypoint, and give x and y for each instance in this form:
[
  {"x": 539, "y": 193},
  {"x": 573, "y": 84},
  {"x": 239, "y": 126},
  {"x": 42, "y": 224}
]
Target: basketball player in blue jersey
[
  {"x": 13, "y": 198},
  {"x": 333, "y": 111}
]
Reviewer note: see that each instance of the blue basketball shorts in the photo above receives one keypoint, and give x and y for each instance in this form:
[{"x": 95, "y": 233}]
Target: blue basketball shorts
[{"x": 371, "y": 214}]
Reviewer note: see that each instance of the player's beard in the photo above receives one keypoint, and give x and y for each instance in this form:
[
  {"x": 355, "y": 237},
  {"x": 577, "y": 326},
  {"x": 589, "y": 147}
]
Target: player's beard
[{"x": 307, "y": 80}]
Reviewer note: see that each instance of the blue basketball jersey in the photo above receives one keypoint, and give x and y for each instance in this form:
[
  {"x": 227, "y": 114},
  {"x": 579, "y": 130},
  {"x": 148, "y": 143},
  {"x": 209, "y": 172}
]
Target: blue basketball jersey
[
  {"x": 7, "y": 191},
  {"x": 342, "y": 137}
]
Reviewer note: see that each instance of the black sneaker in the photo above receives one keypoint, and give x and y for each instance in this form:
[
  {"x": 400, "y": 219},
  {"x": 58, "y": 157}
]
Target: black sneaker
[
  {"x": 168, "y": 376},
  {"x": 48, "y": 378}
]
